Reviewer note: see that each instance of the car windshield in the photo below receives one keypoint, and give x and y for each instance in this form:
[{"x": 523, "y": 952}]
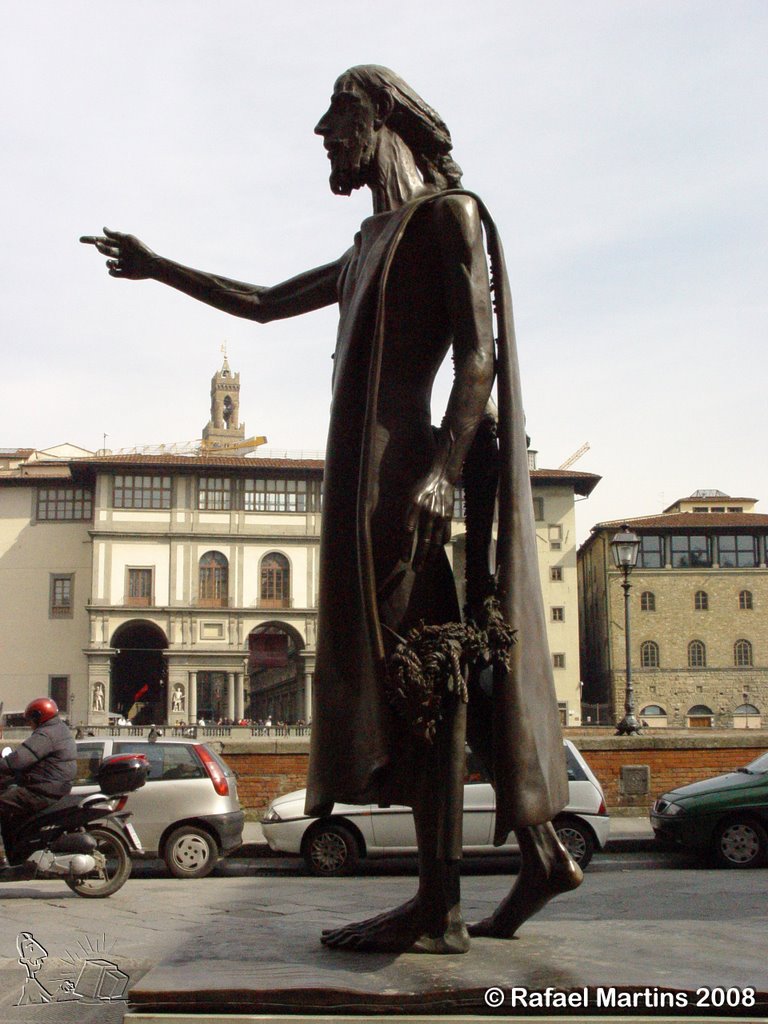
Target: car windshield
[{"x": 758, "y": 766}]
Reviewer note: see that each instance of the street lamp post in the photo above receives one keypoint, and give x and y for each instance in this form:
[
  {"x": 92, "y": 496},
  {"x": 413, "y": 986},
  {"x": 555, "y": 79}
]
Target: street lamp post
[{"x": 625, "y": 547}]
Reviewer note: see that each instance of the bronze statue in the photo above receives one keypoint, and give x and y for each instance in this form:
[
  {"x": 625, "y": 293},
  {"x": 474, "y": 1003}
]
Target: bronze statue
[{"x": 388, "y": 726}]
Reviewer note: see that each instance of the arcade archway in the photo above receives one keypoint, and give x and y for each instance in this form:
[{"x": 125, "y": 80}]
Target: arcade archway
[
  {"x": 275, "y": 671},
  {"x": 139, "y": 672}
]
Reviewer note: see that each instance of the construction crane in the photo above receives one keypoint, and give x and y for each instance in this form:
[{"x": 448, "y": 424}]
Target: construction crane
[
  {"x": 200, "y": 446},
  {"x": 575, "y": 457},
  {"x": 208, "y": 447}
]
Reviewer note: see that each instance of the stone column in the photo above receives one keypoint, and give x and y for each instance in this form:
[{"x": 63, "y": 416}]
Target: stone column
[
  {"x": 169, "y": 715},
  {"x": 308, "y": 681},
  {"x": 239, "y": 701},
  {"x": 192, "y": 698},
  {"x": 231, "y": 679}
]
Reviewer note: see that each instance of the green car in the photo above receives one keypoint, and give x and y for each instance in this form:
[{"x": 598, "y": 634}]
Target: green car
[{"x": 726, "y": 816}]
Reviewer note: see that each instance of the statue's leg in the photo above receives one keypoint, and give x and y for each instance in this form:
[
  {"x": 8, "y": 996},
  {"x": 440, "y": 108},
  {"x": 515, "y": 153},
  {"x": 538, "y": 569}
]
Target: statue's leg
[
  {"x": 431, "y": 921},
  {"x": 546, "y": 871}
]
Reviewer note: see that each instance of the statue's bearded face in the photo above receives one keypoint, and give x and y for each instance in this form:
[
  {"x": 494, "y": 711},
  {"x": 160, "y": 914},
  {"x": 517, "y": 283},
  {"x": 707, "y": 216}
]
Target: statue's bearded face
[{"x": 348, "y": 129}]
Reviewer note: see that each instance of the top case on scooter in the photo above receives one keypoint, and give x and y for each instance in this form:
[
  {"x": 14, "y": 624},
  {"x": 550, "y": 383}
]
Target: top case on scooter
[{"x": 122, "y": 773}]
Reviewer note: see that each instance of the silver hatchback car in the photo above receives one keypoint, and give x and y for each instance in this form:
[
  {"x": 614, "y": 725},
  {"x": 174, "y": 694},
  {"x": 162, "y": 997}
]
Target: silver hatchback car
[{"x": 188, "y": 813}]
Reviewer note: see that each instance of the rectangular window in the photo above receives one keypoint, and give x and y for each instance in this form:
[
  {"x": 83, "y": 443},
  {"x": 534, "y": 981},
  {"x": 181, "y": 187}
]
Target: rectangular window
[
  {"x": 651, "y": 553},
  {"x": 690, "y": 551},
  {"x": 139, "y": 588},
  {"x": 538, "y": 510},
  {"x": 558, "y": 661},
  {"x": 214, "y": 493},
  {"x": 737, "y": 552},
  {"x": 458, "y": 503},
  {"x": 142, "y": 491},
  {"x": 275, "y": 495},
  {"x": 64, "y": 504},
  {"x": 58, "y": 688},
  {"x": 167, "y": 761},
  {"x": 558, "y": 614},
  {"x": 61, "y": 593},
  {"x": 555, "y": 538},
  {"x": 556, "y": 574}
]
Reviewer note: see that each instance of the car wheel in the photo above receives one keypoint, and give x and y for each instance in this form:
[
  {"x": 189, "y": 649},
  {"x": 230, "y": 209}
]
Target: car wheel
[
  {"x": 740, "y": 843},
  {"x": 331, "y": 850},
  {"x": 190, "y": 852},
  {"x": 577, "y": 839}
]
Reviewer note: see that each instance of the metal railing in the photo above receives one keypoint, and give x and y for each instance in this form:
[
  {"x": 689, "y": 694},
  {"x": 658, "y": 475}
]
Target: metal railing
[{"x": 205, "y": 732}]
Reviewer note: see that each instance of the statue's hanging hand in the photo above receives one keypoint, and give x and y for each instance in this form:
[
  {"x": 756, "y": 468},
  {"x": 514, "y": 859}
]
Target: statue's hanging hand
[
  {"x": 429, "y": 517},
  {"x": 128, "y": 257}
]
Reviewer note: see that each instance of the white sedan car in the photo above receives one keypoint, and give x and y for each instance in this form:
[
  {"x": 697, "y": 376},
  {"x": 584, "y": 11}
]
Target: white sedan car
[{"x": 333, "y": 845}]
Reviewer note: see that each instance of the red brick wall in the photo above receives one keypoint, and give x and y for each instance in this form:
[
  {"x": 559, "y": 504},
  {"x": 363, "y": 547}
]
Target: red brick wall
[
  {"x": 264, "y": 776},
  {"x": 668, "y": 768}
]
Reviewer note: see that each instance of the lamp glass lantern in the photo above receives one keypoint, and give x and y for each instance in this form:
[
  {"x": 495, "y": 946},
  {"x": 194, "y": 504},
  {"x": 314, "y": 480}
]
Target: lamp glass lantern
[{"x": 625, "y": 547}]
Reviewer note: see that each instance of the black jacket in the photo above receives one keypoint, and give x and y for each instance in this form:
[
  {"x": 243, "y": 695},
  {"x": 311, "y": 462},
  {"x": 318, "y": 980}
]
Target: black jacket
[{"x": 46, "y": 763}]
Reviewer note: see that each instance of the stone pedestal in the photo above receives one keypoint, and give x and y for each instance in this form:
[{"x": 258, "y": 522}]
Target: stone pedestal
[{"x": 555, "y": 969}]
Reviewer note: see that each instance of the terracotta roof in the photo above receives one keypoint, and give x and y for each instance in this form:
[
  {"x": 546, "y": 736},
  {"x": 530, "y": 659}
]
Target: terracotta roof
[
  {"x": 583, "y": 483},
  {"x": 198, "y": 461},
  {"x": 690, "y": 521}
]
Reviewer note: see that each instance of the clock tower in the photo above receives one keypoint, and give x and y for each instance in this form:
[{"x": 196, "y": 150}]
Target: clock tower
[{"x": 224, "y": 429}]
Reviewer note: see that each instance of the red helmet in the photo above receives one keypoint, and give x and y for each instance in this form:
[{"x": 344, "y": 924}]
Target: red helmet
[{"x": 43, "y": 709}]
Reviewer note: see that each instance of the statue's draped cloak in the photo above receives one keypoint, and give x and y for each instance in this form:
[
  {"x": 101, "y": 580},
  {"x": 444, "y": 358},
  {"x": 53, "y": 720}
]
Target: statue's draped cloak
[{"x": 361, "y": 751}]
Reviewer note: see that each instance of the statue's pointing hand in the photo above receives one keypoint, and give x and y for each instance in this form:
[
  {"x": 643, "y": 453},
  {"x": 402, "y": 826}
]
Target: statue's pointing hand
[{"x": 128, "y": 257}]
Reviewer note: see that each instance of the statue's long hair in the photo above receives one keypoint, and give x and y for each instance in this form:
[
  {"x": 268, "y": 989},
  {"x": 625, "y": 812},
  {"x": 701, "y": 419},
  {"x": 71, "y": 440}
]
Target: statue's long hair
[{"x": 419, "y": 126}]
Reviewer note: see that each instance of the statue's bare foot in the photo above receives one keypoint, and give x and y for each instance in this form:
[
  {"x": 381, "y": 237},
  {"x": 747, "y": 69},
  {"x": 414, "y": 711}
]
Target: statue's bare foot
[
  {"x": 406, "y": 929},
  {"x": 532, "y": 890}
]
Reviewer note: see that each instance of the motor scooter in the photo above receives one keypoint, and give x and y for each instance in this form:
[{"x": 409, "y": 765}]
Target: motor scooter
[{"x": 87, "y": 841}]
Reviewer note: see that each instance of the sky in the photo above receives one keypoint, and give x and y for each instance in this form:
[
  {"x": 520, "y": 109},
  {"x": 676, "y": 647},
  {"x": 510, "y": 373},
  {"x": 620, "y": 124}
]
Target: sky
[{"x": 619, "y": 145}]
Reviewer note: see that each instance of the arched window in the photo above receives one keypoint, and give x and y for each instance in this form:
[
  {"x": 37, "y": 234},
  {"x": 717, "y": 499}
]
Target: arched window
[
  {"x": 654, "y": 716},
  {"x": 742, "y": 654},
  {"x": 700, "y": 717},
  {"x": 745, "y": 601},
  {"x": 746, "y": 716},
  {"x": 701, "y": 601},
  {"x": 213, "y": 587},
  {"x": 649, "y": 654},
  {"x": 697, "y": 654},
  {"x": 647, "y": 601},
  {"x": 275, "y": 590}
]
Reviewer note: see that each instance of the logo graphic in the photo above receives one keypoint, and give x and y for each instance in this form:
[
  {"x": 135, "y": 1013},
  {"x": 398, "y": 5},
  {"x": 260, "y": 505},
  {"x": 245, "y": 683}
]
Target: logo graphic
[
  {"x": 89, "y": 976},
  {"x": 32, "y": 956}
]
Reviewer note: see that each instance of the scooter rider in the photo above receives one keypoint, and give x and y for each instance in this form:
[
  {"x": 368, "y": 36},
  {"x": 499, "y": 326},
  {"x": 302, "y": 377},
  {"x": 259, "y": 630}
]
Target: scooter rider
[{"x": 44, "y": 767}]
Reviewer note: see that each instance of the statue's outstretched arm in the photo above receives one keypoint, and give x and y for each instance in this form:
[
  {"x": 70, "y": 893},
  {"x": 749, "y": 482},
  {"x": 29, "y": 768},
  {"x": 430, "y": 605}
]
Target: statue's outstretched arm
[
  {"x": 131, "y": 259},
  {"x": 466, "y": 289}
]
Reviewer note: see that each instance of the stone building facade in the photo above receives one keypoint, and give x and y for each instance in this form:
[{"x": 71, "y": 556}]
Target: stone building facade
[
  {"x": 167, "y": 587},
  {"x": 698, "y": 626}
]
